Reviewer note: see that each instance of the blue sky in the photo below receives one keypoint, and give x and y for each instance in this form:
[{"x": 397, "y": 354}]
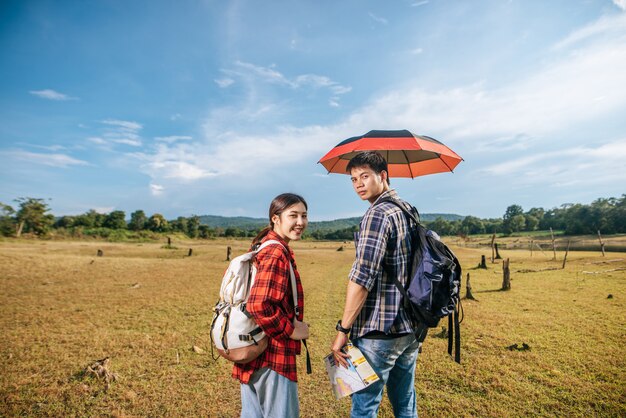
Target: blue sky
[{"x": 215, "y": 107}]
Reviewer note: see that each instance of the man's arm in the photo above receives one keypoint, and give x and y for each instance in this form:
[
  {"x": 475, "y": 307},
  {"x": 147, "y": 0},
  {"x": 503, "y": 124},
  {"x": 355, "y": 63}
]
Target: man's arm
[{"x": 355, "y": 298}]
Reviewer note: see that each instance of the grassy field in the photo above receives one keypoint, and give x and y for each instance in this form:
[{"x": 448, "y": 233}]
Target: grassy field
[{"x": 145, "y": 307}]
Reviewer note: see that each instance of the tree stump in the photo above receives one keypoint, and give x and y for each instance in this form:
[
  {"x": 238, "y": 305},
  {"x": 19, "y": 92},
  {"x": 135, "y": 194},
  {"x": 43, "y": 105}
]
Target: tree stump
[
  {"x": 497, "y": 253},
  {"x": 100, "y": 253},
  {"x": 468, "y": 287},
  {"x": 229, "y": 252},
  {"x": 493, "y": 240},
  {"x": 169, "y": 242},
  {"x": 506, "y": 275},
  {"x": 190, "y": 252},
  {"x": 483, "y": 262}
]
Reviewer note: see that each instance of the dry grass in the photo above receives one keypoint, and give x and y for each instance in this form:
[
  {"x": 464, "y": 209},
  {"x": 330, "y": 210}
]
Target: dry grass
[{"x": 145, "y": 307}]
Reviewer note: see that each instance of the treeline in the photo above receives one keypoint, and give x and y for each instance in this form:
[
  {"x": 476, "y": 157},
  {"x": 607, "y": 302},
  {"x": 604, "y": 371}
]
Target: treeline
[
  {"x": 606, "y": 215},
  {"x": 31, "y": 216}
]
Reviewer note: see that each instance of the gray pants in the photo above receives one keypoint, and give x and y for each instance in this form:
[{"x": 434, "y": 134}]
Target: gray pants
[{"x": 269, "y": 395}]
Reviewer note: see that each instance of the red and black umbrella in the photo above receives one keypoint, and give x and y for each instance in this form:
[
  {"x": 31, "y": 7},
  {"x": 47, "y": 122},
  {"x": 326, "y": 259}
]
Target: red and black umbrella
[{"x": 407, "y": 154}]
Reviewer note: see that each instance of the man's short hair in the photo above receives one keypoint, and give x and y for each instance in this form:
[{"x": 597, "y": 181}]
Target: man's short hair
[{"x": 371, "y": 159}]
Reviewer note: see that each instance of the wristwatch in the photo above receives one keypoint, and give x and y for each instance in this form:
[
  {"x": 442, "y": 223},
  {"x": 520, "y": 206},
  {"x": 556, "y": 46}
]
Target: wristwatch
[{"x": 341, "y": 329}]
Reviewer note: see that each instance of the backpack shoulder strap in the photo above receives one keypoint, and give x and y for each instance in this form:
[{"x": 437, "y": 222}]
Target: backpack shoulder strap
[
  {"x": 292, "y": 274},
  {"x": 294, "y": 293},
  {"x": 399, "y": 204}
]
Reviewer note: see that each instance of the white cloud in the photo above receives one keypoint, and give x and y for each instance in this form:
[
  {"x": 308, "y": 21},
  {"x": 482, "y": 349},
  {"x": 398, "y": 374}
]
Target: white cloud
[
  {"x": 266, "y": 73},
  {"x": 606, "y": 25},
  {"x": 122, "y": 124},
  {"x": 620, "y": 3},
  {"x": 578, "y": 165},
  {"x": 378, "y": 19},
  {"x": 553, "y": 99},
  {"x": 416, "y": 51},
  {"x": 97, "y": 140},
  {"x": 224, "y": 82},
  {"x": 51, "y": 95},
  {"x": 128, "y": 141},
  {"x": 156, "y": 189},
  {"x": 52, "y": 160},
  {"x": 176, "y": 116},
  {"x": 118, "y": 132},
  {"x": 419, "y": 3},
  {"x": 172, "y": 139},
  {"x": 273, "y": 76}
]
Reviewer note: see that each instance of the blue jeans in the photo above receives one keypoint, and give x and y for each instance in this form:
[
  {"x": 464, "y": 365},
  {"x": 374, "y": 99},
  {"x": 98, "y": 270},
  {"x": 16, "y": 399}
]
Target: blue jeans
[
  {"x": 393, "y": 361},
  {"x": 269, "y": 395}
]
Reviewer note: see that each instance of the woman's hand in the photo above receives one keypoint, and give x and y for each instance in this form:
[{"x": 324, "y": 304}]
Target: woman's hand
[{"x": 300, "y": 330}]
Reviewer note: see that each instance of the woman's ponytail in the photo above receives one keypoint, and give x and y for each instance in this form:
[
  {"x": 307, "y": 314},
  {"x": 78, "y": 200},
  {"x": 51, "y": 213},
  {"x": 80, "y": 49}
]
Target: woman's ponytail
[{"x": 257, "y": 240}]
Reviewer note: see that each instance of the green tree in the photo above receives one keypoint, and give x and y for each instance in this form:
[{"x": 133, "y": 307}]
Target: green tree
[
  {"x": 511, "y": 212},
  {"x": 115, "y": 220},
  {"x": 444, "y": 227},
  {"x": 7, "y": 222},
  {"x": 231, "y": 231},
  {"x": 531, "y": 222},
  {"x": 517, "y": 223},
  {"x": 138, "y": 220},
  {"x": 65, "y": 222},
  {"x": 179, "y": 225},
  {"x": 158, "y": 223},
  {"x": 32, "y": 216},
  {"x": 205, "y": 232},
  {"x": 193, "y": 226},
  {"x": 472, "y": 225},
  {"x": 90, "y": 219},
  {"x": 537, "y": 213}
]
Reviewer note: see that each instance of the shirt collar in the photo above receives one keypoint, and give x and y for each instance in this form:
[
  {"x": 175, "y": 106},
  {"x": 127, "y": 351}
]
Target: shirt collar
[
  {"x": 391, "y": 193},
  {"x": 274, "y": 236}
]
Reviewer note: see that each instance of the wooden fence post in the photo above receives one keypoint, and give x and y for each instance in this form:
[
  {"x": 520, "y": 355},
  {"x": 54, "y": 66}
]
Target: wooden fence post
[
  {"x": 493, "y": 240},
  {"x": 601, "y": 243},
  {"x": 468, "y": 288},
  {"x": 228, "y": 253},
  {"x": 566, "y": 251},
  {"x": 497, "y": 253},
  {"x": 531, "y": 247},
  {"x": 553, "y": 244},
  {"x": 506, "y": 275}
]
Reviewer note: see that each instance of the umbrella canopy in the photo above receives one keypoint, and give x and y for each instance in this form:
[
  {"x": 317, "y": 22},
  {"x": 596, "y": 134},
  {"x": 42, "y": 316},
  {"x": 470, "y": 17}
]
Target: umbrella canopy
[{"x": 407, "y": 154}]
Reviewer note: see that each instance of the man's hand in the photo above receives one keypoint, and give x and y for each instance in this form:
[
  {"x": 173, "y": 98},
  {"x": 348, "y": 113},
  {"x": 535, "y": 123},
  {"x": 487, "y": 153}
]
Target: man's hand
[
  {"x": 340, "y": 357},
  {"x": 300, "y": 330}
]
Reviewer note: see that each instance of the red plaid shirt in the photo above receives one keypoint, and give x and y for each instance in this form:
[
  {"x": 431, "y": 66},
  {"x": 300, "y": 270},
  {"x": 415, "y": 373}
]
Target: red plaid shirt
[{"x": 271, "y": 304}]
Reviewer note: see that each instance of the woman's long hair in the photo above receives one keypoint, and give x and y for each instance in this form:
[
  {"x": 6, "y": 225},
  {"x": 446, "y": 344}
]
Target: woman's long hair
[{"x": 278, "y": 206}]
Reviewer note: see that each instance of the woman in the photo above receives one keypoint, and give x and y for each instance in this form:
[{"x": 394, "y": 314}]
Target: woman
[{"x": 269, "y": 383}]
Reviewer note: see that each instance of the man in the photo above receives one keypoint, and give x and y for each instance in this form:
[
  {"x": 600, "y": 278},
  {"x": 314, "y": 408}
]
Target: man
[{"x": 373, "y": 314}]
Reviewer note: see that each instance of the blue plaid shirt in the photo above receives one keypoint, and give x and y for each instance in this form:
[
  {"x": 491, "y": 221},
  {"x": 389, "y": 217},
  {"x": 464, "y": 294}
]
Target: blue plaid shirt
[{"x": 383, "y": 250}]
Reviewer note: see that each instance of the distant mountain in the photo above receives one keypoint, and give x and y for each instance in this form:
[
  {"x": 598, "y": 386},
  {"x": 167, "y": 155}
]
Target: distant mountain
[{"x": 243, "y": 222}]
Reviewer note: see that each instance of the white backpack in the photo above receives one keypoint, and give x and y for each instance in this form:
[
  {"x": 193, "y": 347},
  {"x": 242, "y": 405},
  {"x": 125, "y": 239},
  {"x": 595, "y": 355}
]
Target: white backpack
[{"x": 233, "y": 330}]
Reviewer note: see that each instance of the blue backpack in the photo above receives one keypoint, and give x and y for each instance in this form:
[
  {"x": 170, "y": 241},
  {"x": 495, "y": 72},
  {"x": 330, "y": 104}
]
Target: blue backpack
[{"x": 433, "y": 289}]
